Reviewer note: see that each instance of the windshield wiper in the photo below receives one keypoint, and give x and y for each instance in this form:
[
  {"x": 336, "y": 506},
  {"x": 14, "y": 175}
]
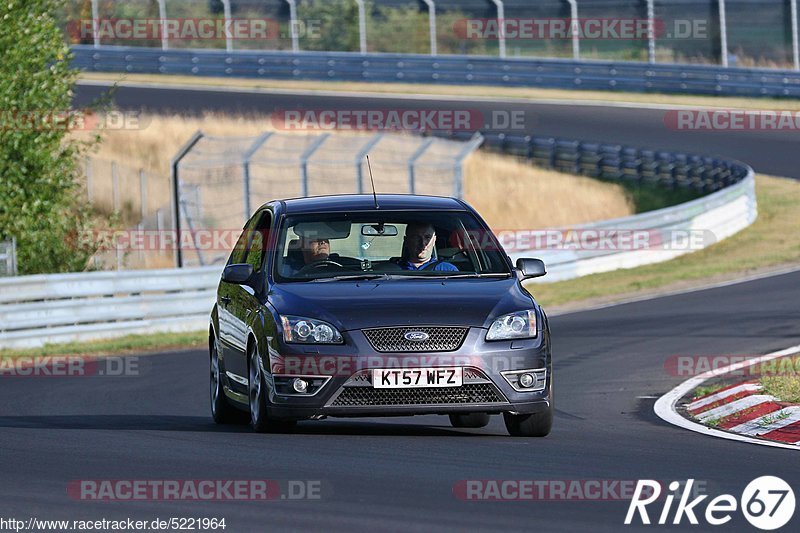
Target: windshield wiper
[
  {"x": 355, "y": 277},
  {"x": 462, "y": 275}
]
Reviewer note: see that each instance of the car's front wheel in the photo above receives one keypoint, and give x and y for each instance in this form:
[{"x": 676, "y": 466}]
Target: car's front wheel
[
  {"x": 221, "y": 410},
  {"x": 259, "y": 416},
  {"x": 471, "y": 420},
  {"x": 533, "y": 425}
]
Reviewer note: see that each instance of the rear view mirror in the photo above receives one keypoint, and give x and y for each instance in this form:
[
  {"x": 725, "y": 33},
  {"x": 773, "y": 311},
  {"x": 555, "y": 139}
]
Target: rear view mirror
[
  {"x": 379, "y": 230},
  {"x": 238, "y": 274},
  {"x": 531, "y": 268}
]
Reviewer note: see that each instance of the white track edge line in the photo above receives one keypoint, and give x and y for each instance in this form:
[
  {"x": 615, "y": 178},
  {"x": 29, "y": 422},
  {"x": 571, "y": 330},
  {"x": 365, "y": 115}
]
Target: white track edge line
[{"x": 665, "y": 406}]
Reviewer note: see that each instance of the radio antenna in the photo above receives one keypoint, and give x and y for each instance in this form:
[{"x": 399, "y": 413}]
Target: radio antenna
[{"x": 374, "y": 196}]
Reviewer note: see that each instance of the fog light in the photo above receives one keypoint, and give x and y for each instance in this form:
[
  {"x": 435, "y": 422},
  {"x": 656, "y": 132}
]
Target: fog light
[
  {"x": 526, "y": 380},
  {"x": 300, "y": 385}
]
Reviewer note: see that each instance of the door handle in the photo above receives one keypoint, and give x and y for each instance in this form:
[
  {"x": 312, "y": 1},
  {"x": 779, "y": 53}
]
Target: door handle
[{"x": 225, "y": 300}]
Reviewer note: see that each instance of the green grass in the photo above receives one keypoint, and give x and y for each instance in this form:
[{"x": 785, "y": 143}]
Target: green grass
[
  {"x": 772, "y": 240},
  {"x": 651, "y": 197},
  {"x": 786, "y": 387},
  {"x": 705, "y": 390},
  {"x": 121, "y": 345}
]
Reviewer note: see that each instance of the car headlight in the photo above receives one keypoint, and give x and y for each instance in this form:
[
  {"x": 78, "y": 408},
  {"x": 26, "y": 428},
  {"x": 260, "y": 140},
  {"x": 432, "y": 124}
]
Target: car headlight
[
  {"x": 520, "y": 325},
  {"x": 309, "y": 331}
]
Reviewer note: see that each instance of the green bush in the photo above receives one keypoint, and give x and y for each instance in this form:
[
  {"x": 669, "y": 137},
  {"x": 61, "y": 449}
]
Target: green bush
[{"x": 39, "y": 202}]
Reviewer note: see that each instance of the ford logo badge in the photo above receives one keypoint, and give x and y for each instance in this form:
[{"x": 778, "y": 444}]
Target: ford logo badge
[{"x": 416, "y": 336}]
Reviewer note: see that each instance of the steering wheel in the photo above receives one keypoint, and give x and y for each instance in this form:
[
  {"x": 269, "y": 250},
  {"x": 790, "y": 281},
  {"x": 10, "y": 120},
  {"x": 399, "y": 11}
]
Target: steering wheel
[
  {"x": 322, "y": 263},
  {"x": 460, "y": 252}
]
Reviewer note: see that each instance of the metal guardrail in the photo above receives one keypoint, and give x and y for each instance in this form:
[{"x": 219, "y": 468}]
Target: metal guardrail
[
  {"x": 453, "y": 70},
  {"x": 35, "y": 310},
  {"x": 728, "y": 206},
  {"x": 55, "y": 308}
]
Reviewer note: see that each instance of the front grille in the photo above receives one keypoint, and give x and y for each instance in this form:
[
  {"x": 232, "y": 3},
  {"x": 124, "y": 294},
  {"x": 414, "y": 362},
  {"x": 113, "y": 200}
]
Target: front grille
[
  {"x": 477, "y": 393},
  {"x": 440, "y": 339}
]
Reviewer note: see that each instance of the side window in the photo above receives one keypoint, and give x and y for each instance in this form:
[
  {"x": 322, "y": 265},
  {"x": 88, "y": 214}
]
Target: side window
[
  {"x": 240, "y": 249},
  {"x": 258, "y": 241}
]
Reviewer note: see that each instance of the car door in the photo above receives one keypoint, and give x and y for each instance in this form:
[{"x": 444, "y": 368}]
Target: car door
[
  {"x": 230, "y": 332},
  {"x": 245, "y": 303}
]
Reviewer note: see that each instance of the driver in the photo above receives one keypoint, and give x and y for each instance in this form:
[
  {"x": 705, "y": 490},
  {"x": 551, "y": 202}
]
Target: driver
[
  {"x": 419, "y": 244},
  {"x": 312, "y": 249}
]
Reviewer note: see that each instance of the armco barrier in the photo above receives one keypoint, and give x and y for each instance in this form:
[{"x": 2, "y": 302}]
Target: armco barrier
[
  {"x": 450, "y": 69},
  {"x": 35, "y": 310},
  {"x": 55, "y": 308}
]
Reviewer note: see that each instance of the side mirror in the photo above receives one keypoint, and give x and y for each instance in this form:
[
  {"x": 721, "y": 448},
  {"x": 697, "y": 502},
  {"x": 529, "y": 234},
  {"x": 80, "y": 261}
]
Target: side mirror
[
  {"x": 238, "y": 274},
  {"x": 531, "y": 268}
]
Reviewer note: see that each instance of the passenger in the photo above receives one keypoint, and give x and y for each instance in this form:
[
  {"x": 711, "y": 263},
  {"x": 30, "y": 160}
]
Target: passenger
[{"x": 419, "y": 244}]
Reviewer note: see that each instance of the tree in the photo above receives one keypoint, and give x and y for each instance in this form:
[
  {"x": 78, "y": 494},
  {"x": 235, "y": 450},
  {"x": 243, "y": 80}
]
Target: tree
[{"x": 39, "y": 162}]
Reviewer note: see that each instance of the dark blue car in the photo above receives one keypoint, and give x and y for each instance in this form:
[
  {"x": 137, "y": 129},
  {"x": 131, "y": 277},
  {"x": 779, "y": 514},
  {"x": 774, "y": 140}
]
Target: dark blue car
[{"x": 391, "y": 305}]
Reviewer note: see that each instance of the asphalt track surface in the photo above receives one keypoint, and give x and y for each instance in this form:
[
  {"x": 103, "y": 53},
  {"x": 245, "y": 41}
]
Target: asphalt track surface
[
  {"x": 398, "y": 474},
  {"x": 769, "y": 152}
]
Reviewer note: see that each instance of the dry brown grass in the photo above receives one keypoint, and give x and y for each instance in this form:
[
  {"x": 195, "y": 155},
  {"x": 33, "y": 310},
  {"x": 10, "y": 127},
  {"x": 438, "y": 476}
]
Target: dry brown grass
[{"x": 509, "y": 193}]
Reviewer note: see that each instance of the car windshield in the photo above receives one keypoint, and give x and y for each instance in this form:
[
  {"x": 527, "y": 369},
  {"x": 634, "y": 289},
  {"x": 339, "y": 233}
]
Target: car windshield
[{"x": 388, "y": 245}]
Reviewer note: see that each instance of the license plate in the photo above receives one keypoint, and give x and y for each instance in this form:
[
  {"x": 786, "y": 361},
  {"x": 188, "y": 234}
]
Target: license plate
[{"x": 408, "y": 378}]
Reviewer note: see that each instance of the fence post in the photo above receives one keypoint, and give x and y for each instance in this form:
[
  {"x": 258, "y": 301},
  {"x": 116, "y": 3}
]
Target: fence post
[
  {"x": 362, "y": 26},
  {"x": 176, "y": 208},
  {"x": 140, "y": 239},
  {"x": 413, "y": 160},
  {"x": 293, "y": 25},
  {"x": 471, "y": 146},
  {"x": 14, "y": 256},
  {"x": 651, "y": 32},
  {"x": 248, "y": 155},
  {"x": 375, "y": 139},
  {"x": 95, "y": 24},
  {"x": 226, "y": 6},
  {"x": 795, "y": 52},
  {"x": 575, "y": 26},
  {"x": 162, "y": 14},
  {"x": 723, "y": 33},
  {"x": 432, "y": 25},
  {"x": 304, "y": 160},
  {"x": 501, "y": 24}
]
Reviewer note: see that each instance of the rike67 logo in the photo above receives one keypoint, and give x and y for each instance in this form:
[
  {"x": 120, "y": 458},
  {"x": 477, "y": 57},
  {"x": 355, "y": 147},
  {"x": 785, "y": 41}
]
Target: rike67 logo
[{"x": 767, "y": 503}]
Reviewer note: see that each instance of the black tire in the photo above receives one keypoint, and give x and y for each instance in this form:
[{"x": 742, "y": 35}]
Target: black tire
[
  {"x": 470, "y": 420},
  {"x": 533, "y": 425},
  {"x": 221, "y": 411},
  {"x": 259, "y": 412}
]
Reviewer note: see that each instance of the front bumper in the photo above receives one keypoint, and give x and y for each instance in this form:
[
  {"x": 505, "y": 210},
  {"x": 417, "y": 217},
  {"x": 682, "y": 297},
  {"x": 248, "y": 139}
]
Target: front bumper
[{"x": 349, "y": 392}]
